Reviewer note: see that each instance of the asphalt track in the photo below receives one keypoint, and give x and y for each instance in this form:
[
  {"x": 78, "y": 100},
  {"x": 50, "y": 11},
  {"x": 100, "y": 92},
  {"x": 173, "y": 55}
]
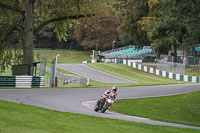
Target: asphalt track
[
  {"x": 94, "y": 74},
  {"x": 82, "y": 100}
]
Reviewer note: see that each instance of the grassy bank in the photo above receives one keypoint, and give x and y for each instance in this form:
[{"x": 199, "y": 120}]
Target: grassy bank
[
  {"x": 142, "y": 78},
  {"x": 65, "y": 56},
  {"x": 19, "y": 118},
  {"x": 184, "y": 108}
]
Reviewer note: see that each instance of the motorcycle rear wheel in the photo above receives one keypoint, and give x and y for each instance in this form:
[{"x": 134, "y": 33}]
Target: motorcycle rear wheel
[{"x": 97, "y": 106}]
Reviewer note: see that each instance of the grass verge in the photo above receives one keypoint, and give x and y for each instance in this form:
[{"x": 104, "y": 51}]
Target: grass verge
[
  {"x": 19, "y": 118},
  {"x": 65, "y": 56},
  {"x": 184, "y": 108},
  {"x": 142, "y": 78},
  {"x": 94, "y": 83}
]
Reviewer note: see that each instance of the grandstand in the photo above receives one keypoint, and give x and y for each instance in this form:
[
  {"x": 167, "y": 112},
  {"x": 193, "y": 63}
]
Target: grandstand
[{"x": 129, "y": 52}]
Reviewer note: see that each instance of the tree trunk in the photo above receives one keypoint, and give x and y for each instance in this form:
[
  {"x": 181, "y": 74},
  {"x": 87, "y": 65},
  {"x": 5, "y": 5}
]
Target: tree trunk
[
  {"x": 97, "y": 46},
  {"x": 174, "y": 53},
  {"x": 158, "y": 53},
  {"x": 70, "y": 46},
  {"x": 185, "y": 59},
  {"x": 28, "y": 33}
]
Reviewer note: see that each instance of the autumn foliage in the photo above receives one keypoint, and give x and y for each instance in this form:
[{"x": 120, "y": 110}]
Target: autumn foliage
[{"x": 97, "y": 32}]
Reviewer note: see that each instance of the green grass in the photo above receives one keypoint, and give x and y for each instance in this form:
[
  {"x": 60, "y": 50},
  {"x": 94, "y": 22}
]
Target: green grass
[
  {"x": 19, "y": 118},
  {"x": 67, "y": 72},
  {"x": 65, "y": 56},
  {"x": 7, "y": 72},
  {"x": 142, "y": 78},
  {"x": 184, "y": 108},
  {"x": 94, "y": 83},
  {"x": 194, "y": 71}
]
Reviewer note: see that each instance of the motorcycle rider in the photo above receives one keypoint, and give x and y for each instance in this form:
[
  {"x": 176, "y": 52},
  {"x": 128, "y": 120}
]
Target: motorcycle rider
[
  {"x": 112, "y": 92},
  {"x": 109, "y": 93}
]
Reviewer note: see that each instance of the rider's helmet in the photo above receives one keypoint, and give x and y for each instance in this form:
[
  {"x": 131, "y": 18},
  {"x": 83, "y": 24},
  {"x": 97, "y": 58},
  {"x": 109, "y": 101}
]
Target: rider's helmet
[{"x": 114, "y": 89}]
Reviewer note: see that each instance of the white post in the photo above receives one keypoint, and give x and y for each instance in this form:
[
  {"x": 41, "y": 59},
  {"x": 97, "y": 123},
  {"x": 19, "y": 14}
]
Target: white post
[
  {"x": 113, "y": 46},
  {"x": 88, "y": 81},
  {"x": 92, "y": 54},
  {"x": 56, "y": 62}
]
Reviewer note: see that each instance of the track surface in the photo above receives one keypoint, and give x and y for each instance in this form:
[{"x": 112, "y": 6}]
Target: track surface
[
  {"x": 91, "y": 73},
  {"x": 82, "y": 100}
]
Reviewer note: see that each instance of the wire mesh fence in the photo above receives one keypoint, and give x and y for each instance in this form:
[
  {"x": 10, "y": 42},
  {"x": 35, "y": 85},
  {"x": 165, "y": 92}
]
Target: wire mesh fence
[
  {"x": 67, "y": 80},
  {"x": 43, "y": 65},
  {"x": 173, "y": 67}
]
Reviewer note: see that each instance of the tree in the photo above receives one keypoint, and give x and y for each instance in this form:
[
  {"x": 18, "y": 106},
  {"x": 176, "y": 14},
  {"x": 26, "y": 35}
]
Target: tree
[
  {"x": 21, "y": 19},
  {"x": 133, "y": 13},
  {"x": 172, "y": 22},
  {"x": 97, "y": 33}
]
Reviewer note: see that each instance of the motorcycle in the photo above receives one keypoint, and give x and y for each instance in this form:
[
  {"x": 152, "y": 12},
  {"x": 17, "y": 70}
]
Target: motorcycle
[{"x": 104, "y": 103}]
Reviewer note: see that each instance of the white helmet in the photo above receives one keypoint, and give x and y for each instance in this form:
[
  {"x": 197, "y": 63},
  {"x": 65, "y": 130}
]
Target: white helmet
[{"x": 114, "y": 89}]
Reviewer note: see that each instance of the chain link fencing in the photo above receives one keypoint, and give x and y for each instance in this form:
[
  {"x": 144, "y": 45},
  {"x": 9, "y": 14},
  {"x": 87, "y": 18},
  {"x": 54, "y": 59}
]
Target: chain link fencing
[
  {"x": 42, "y": 66},
  {"x": 173, "y": 67},
  {"x": 67, "y": 80}
]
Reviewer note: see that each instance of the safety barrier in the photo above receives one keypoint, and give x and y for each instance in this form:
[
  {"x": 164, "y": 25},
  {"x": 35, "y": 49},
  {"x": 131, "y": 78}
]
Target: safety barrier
[
  {"x": 22, "y": 81},
  {"x": 89, "y": 61}
]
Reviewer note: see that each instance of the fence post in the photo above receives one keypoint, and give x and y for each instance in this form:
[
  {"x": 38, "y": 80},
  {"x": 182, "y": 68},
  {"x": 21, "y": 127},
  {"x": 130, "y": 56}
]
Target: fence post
[{"x": 52, "y": 82}]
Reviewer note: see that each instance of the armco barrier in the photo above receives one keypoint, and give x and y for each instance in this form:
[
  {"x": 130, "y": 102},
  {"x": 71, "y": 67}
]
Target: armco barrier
[
  {"x": 89, "y": 61},
  {"x": 22, "y": 81},
  {"x": 155, "y": 71}
]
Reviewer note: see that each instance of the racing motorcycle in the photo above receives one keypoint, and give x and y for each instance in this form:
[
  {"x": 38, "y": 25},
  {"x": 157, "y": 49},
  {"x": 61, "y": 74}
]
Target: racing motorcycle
[{"x": 104, "y": 103}]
